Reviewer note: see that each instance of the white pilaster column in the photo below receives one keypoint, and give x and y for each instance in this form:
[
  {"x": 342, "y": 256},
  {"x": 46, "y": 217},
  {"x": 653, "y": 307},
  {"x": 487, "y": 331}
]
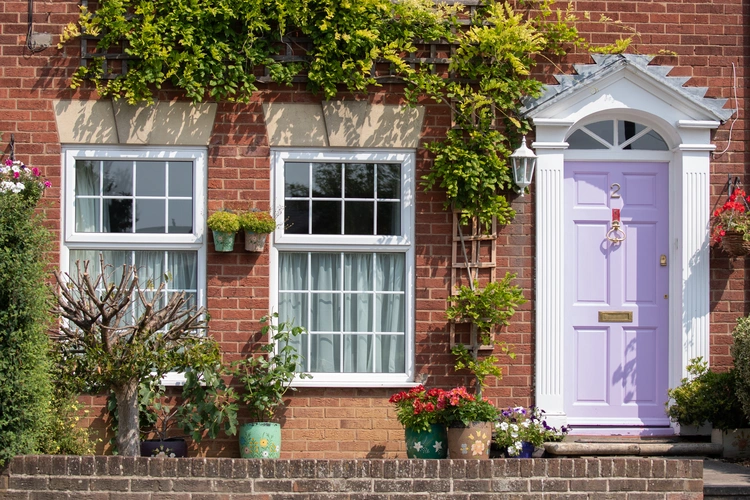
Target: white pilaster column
[{"x": 549, "y": 279}]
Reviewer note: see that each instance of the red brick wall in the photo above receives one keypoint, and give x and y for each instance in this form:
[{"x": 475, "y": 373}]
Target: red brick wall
[{"x": 337, "y": 423}]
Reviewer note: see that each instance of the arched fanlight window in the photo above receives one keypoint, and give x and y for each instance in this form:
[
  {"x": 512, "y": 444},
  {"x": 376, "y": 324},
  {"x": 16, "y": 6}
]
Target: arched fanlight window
[{"x": 617, "y": 134}]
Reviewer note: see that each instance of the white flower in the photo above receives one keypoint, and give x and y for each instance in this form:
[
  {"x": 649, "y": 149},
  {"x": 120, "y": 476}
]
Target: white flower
[
  {"x": 514, "y": 427},
  {"x": 504, "y": 426},
  {"x": 525, "y": 424},
  {"x": 18, "y": 187}
]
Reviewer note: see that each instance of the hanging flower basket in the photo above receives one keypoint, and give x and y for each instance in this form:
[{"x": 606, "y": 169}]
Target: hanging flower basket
[{"x": 734, "y": 244}]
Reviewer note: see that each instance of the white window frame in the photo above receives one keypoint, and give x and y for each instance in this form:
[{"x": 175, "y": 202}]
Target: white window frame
[
  {"x": 403, "y": 243},
  {"x": 195, "y": 241}
]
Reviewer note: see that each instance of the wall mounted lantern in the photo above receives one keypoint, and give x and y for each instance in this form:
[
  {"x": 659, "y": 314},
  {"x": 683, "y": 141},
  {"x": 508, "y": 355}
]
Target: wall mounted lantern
[{"x": 523, "y": 161}]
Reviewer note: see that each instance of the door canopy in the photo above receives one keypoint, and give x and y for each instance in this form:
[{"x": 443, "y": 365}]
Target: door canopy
[{"x": 624, "y": 88}]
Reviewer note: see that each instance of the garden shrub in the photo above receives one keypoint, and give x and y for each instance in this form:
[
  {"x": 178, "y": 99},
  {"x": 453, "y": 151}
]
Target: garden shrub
[
  {"x": 25, "y": 387},
  {"x": 707, "y": 396},
  {"x": 741, "y": 354}
]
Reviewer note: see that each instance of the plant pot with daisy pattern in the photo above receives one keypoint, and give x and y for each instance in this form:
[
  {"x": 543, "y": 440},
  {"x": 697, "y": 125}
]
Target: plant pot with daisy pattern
[
  {"x": 470, "y": 420},
  {"x": 265, "y": 376}
]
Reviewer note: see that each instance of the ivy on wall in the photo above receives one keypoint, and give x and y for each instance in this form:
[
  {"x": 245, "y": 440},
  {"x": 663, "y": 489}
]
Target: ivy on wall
[{"x": 216, "y": 49}]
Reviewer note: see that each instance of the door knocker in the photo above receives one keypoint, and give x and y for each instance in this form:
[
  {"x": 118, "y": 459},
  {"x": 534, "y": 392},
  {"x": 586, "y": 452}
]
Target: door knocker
[{"x": 616, "y": 234}]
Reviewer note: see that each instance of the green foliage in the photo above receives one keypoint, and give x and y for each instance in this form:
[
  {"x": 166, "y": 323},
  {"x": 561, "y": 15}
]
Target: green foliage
[
  {"x": 462, "y": 408},
  {"x": 481, "y": 367},
  {"x": 25, "y": 386},
  {"x": 224, "y": 222},
  {"x": 215, "y": 50},
  {"x": 741, "y": 355},
  {"x": 267, "y": 374},
  {"x": 706, "y": 396},
  {"x": 486, "y": 308},
  {"x": 257, "y": 222}
]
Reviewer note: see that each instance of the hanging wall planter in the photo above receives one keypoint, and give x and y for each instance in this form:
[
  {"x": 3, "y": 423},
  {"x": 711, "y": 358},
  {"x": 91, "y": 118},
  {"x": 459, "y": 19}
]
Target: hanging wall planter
[
  {"x": 224, "y": 226},
  {"x": 257, "y": 225}
]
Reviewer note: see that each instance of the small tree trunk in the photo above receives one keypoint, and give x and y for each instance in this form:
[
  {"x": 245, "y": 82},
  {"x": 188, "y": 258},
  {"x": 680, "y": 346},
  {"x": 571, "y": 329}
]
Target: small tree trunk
[{"x": 128, "y": 435}]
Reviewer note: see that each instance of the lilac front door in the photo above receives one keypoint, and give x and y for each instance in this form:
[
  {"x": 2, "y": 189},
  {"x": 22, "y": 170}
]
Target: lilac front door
[{"x": 616, "y": 302}]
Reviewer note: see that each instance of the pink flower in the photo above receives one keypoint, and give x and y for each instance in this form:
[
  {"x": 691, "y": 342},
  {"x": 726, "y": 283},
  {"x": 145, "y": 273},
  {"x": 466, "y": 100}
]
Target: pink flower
[
  {"x": 35, "y": 171},
  {"x": 16, "y": 175},
  {"x": 47, "y": 184},
  {"x": 8, "y": 162}
]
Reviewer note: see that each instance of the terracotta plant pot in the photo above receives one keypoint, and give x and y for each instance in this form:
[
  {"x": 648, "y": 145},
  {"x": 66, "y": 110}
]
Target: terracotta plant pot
[{"x": 472, "y": 442}]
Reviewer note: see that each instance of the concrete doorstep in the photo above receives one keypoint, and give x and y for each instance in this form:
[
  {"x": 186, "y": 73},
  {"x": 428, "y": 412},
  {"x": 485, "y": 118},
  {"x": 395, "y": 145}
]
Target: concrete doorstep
[{"x": 724, "y": 480}]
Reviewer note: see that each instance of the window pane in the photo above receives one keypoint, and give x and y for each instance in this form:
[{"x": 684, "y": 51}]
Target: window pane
[
  {"x": 326, "y": 180},
  {"x": 357, "y": 353},
  {"x": 87, "y": 178},
  {"x": 326, "y": 217},
  {"x": 180, "y": 216},
  {"x": 325, "y": 271},
  {"x": 581, "y": 140},
  {"x": 326, "y": 312},
  {"x": 651, "y": 141},
  {"x": 604, "y": 129},
  {"x": 293, "y": 308},
  {"x": 181, "y": 178},
  {"x": 150, "y": 216},
  {"x": 389, "y": 218},
  {"x": 150, "y": 178},
  {"x": 358, "y": 312},
  {"x": 389, "y": 180},
  {"x": 118, "y": 216},
  {"x": 389, "y": 354},
  {"x": 183, "y": 270},
  {"x": 118, "y": 178},
  {"x": 389, "y": 273},
  {"x": 297, "y": 215},
  {"x": 389, "y": 313},
  {"x": 360, "y": 180},
  {"x": 87, "y": 215},
  {"x": 324, "y": 350},
  {"x": 150, "y": 267},
  {"x": 358, "y": 271},
  {"x": 627, "y": 130},
  {"x": 292, "y": 271},
  {"x": 296, "y": 180},
  {"x": 358, "y": 217}
]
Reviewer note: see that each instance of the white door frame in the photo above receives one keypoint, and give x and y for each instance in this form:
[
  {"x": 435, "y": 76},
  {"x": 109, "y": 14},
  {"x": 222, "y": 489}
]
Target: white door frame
[{"x": 687, "y": 130}]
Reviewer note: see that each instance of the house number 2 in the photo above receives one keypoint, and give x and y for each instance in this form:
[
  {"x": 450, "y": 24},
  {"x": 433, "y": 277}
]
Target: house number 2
[{"x": 615, "y": 190}]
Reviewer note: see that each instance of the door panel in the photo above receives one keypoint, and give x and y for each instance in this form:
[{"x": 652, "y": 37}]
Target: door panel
[{"x": 616, "y": 367}]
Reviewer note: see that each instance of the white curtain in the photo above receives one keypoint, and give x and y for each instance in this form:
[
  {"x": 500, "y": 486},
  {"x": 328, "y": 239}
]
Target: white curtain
[
  {"x": 87, "y": 209},
  {"x": 346, "y": 311}
]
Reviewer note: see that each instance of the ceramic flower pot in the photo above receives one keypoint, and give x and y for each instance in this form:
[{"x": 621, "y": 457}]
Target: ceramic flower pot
[
  {"x": 170, "y": 448},
  {"x": 432, "y": 443},
  {"x": 527, "y": 451},
  {"x": 223, "y": 242},
  {"x": 260, "y": 440},
  {"x": 471, "y": 442},
  {"x": 254, "y": 242}
]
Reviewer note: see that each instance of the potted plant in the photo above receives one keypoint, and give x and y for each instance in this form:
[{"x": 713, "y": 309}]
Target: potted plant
[
  {"x": 520, "y": 431},
  {"x": 206, "y": 407},
  {"x": 709, "y": 397},
  {"x": 108, "y": 347},
  {"x": 420, "y": 412},
  {"x": 257, "y": 225},
  {"x": 730, "y": 224},
  {"x": 224, "y": 226},
  {"x": 469, "y": 419},
  {"x": 265, "y": 377}
]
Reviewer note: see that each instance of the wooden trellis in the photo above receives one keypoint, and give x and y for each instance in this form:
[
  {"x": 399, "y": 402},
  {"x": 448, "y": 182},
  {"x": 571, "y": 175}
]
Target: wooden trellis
[{"x": 473, "y": 257}]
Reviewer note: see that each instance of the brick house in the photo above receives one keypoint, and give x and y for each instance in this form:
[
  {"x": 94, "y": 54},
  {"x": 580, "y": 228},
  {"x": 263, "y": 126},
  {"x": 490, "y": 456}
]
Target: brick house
[{"x": 609, "y": 130}]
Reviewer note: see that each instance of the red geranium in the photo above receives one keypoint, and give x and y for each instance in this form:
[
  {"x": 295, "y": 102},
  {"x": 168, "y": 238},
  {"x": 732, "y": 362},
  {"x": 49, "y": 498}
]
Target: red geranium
[
  {"x": 419, "y": 408},
  {"x": 732, "y": 216}
]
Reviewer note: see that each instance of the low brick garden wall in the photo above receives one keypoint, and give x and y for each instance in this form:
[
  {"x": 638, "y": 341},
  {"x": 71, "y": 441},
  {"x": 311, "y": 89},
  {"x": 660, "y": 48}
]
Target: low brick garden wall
[{"x": 112, "y": 477}]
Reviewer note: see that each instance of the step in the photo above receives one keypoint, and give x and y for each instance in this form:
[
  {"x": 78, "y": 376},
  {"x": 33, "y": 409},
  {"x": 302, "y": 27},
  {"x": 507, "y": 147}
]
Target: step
[{"x": 634, "y": 448}]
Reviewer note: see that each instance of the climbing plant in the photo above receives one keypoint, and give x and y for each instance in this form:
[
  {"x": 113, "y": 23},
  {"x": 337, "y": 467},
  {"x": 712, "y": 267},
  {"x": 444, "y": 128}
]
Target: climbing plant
[{"x": 217, "y": 49}]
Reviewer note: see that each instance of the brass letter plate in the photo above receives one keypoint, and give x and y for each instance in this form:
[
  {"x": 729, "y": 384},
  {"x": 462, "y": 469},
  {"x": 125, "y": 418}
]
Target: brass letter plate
[{"x": 615, "y": 316}]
